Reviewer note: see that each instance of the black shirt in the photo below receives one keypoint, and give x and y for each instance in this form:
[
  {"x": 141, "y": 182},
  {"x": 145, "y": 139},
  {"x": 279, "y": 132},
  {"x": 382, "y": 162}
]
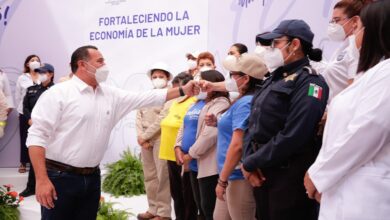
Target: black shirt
[
  {"x": 31, "y": 98},
  {"x": 284, "y": 116}
]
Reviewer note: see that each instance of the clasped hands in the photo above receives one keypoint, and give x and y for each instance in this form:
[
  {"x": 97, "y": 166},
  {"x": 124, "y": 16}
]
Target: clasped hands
[
  {"x": 255, "y": 178},
  {"x": 311, "y": 190}
]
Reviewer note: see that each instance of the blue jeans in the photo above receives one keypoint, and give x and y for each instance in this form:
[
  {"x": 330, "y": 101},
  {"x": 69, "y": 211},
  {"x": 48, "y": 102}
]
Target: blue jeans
[{"x": 78, "y": 196}]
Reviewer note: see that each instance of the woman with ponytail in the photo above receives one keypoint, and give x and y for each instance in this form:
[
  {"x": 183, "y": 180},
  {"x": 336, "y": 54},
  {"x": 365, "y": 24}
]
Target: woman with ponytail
[{"x": 344, "y": 27}]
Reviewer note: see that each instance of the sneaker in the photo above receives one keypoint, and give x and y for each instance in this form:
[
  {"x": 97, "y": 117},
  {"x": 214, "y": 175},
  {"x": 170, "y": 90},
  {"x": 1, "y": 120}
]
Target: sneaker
[
  {"x": 145, "y": 216},
  {"x": 27, "y": 192}
]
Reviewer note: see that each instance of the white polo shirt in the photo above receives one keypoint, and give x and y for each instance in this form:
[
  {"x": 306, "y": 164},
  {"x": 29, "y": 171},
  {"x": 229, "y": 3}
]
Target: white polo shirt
[{"x": 73, "y": 122}]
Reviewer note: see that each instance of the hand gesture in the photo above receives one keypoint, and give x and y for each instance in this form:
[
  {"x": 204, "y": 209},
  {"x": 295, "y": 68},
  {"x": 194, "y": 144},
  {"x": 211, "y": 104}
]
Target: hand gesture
[
  {"x": 179, "y": 156},
  {"x": 206, "y": 86},
  {"x": 220, "y": 191},
  {"x": 191, "y": 88},
  {"x": 310, "y": 187},
  {"x": 45, "y": 193},
  {"x": 211, "y": 120}
]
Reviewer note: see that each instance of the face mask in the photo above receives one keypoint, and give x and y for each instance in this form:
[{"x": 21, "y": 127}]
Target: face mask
[
  {"x": 34, "y": 65},
  {"x": 159, "y": 83},
  {"x": 101, "y": 73},
  {"x": 202, "y": 95},
  {"x": 336, "y": 31},
  {"x": 229, "y": 62},
  {"x": 191, "y": 64},
  {"x": 42, "y": 78},
  {"x": 273, "y": 57},
  {"x": 205, "y": 68},
  {"x": 231, "y": 85},
  {"x": 234, "y": 95},
  {"x": 260, "y": 50}
]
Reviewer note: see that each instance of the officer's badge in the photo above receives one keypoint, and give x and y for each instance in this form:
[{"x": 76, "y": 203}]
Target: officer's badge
[
  {"x": 315, "y": 91},
  {"x": 290, "y": 77}
]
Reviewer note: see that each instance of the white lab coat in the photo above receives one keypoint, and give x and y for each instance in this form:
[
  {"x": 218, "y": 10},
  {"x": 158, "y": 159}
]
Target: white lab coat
[
  {"x": 340, "y": 68},
  {"x": 352, "y": 170}
]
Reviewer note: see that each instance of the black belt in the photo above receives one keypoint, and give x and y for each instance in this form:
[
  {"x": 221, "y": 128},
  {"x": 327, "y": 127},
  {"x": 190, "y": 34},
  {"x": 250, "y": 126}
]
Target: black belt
[{"x": 55, "y": 165}]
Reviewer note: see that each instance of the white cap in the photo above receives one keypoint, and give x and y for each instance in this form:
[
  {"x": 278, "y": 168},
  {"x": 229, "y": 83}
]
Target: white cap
[{"x": 160, "y": 66}]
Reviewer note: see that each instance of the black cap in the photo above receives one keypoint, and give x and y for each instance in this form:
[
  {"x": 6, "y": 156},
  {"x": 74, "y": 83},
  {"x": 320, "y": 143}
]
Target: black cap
[
  {"x": 291, "y": 28},
  {"x": 45, "y": 68}
]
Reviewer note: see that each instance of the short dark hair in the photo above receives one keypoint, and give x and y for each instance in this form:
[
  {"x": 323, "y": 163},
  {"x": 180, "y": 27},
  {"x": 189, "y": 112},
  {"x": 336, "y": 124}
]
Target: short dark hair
[
  {"x": 376, "y": 38},
  {"x": 80, "y": 53},
  {"x": 352, "y": 7},
  {"x": 182, "y": 78},
  {"x": 214, "y": 76},
  {"x": 26, "y": 68},
  {"x": 242, "y": 48}
]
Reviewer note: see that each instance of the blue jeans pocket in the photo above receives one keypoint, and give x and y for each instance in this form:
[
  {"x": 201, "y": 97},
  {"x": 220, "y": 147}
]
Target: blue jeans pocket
[{"x": 55, "y": 174}]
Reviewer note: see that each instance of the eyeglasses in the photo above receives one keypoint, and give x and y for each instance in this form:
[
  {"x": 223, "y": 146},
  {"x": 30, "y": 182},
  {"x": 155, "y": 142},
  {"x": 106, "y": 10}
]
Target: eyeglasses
[{"x": 336, "y": 20}]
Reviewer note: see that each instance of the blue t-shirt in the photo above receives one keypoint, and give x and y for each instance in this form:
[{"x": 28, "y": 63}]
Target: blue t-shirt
[
  {"x": 236, "y": 117},
  {"x": 189, "y": 130}
]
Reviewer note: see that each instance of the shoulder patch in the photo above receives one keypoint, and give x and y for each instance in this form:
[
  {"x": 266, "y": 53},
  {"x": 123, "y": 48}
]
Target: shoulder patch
[{"x": 315, "y": 91}]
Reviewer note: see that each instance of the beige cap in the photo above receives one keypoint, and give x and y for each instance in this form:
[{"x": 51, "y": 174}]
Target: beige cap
[{"x": 250, "y": 64}]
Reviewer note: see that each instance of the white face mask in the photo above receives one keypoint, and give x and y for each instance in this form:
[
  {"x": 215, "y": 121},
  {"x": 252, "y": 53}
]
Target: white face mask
[
  {"x": 202, "y": 95},
  {"x": 205, "y": 68},
  {"x": 336, "y": 31},
  {"x": 191, "y": 64},
  {"x": 101, "y": 73},
  {"x": 273, "y": 58},
  {"x": 42, "y": 78},
  {"x": 234, "y": 95},
  {"x": 231, "y": 85},
  {"x": 229, "y": 62},
  {"x": 260, "y": 50},
  {"x": 34, "y": 65},
  {"x": 159, "y": 83}
]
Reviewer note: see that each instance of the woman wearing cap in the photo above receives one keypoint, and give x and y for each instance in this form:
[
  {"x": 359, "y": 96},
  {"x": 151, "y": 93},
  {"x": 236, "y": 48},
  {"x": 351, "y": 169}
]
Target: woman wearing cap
[
  {"x": 344, "y": 27},
  {"x": 352, "y": 168},
  {"x": 27, "y": 79},
  {"x": 202, "y": 146},
  {"x": 148, "y": 136},
  {"x": 246, "y": 72},
  {"x": 45, "y": 81},
  {"x": 180, "y": 185}
]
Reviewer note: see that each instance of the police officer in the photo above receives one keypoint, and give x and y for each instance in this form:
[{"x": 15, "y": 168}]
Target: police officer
[
  {"x": 44, "y": 82},
  {"x": 279, "y": 144}
]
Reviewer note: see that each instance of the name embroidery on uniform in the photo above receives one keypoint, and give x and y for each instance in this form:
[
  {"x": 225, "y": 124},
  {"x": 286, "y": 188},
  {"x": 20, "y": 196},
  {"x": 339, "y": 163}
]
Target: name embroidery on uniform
[{"x": 315, "y": 91}]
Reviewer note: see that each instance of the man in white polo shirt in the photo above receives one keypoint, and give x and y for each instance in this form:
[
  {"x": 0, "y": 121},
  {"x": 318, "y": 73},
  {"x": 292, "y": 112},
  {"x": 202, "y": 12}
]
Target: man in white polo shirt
[{"x": 71, "y": 127}]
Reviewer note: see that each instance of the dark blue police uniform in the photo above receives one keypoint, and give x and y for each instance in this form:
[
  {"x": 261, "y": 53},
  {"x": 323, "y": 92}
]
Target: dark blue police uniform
[{"x": 281, "y": 139}]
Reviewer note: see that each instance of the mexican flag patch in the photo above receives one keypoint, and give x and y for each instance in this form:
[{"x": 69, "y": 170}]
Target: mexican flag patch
[{"x": 315, "y": 91}]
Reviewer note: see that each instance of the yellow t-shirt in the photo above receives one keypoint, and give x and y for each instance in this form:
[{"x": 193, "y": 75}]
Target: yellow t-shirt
[{"x": 170, "y": 126}]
